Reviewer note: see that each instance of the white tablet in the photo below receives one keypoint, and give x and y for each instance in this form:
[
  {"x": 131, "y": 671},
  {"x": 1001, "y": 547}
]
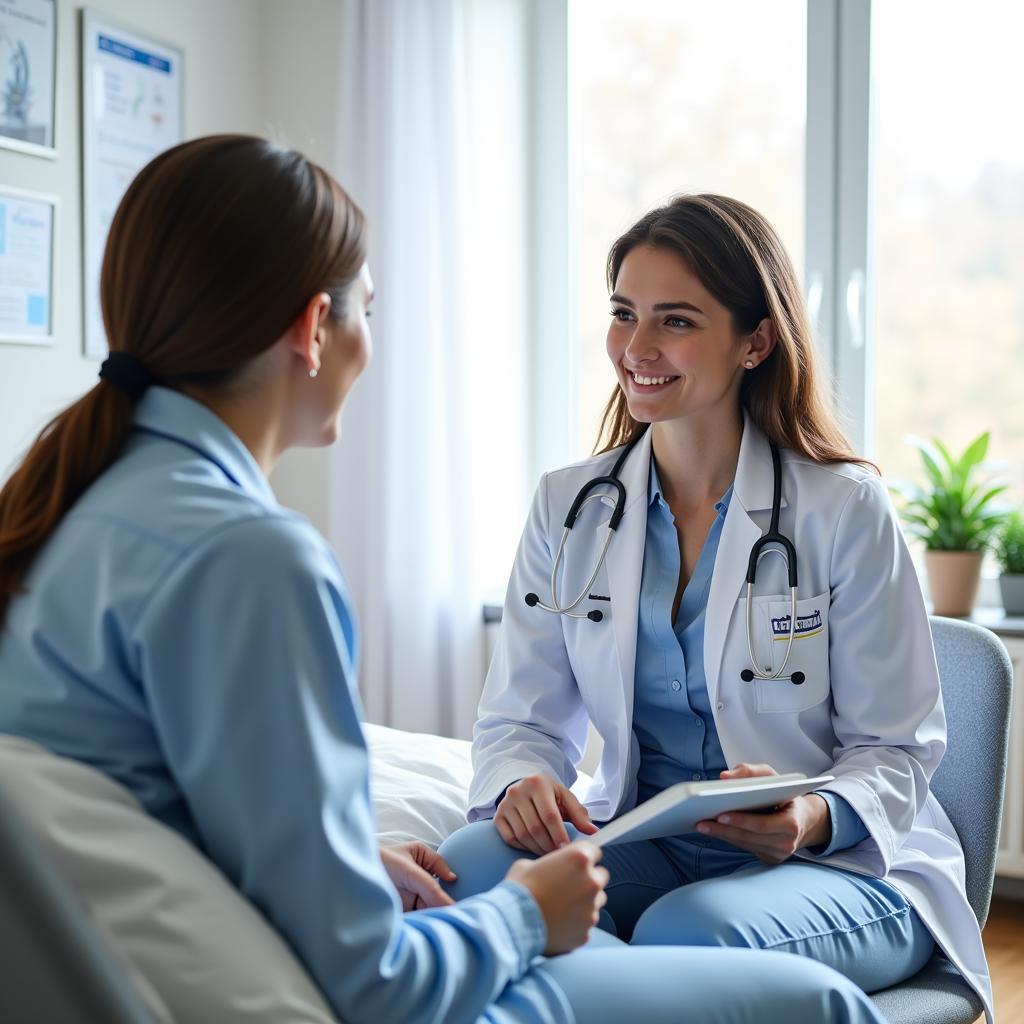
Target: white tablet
[{"x": 676, "y": 810}]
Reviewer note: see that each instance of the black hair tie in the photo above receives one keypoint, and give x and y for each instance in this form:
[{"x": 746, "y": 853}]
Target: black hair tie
[{"x": 127, "y": 374}]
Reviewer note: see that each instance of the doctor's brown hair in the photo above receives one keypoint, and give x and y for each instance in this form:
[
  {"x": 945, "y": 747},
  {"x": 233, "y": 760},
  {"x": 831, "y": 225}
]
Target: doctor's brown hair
[
  {"x": 738, "y": 257},
  {"x": 215, "y": 249}
]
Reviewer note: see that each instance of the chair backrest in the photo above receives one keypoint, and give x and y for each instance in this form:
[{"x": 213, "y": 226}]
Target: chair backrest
[
  {"x": 977, "y": 685},
  {"x": 57, "y": 966}
]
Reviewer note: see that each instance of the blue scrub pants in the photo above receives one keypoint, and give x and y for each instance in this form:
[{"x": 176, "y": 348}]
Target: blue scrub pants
[
  {"x": 694, "y": 891},
  {"x": 608, "y": 982}
]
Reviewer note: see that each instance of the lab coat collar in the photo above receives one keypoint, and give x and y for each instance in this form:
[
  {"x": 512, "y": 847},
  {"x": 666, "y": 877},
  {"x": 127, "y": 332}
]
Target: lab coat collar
[
  {"x": 175, "y": 416},
  {"x": 754, "y": 484}
]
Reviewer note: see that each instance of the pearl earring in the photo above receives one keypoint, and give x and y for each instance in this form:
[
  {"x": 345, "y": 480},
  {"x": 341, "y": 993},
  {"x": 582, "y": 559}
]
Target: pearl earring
[
  {"x": 749, "y": 364},
  {"x": 313, "y": 372}
]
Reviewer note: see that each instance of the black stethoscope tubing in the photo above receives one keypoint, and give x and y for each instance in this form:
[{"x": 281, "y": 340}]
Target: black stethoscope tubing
[
  {"x": 761, "y": 547},
  {"x": 582, "y": 497}
]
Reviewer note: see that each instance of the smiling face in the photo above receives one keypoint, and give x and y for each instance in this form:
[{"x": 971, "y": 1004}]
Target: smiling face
[{"x": 673, "y": 345}]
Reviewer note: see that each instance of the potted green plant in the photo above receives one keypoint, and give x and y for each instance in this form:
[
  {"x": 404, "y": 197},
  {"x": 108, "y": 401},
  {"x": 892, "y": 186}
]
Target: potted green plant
[
  {"x": 954, "y": 516},
  {"x": 1009, "y": 552}
]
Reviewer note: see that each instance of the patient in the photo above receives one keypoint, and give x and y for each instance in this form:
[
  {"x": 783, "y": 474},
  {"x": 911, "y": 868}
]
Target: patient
[{"x": 167, "y": 622}]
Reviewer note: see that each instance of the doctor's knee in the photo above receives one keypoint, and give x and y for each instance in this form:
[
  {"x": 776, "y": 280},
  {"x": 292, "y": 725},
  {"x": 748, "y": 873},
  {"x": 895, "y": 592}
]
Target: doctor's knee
[{"x": 479, "y": 856}]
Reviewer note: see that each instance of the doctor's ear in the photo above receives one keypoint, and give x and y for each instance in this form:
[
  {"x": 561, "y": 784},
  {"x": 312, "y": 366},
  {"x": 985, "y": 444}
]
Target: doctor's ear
[{"x": 759, "y": 344}]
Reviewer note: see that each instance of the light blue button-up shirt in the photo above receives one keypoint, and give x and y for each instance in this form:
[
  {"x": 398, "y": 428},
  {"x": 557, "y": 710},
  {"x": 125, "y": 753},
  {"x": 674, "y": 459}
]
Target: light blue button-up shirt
[
  {"x": 188, "y": 636},
  {"x": 672, "y": 716}
]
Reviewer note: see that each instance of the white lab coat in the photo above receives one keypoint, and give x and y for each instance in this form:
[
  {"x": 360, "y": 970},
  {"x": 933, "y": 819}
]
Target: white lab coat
[{"x": 870, "y": 711}]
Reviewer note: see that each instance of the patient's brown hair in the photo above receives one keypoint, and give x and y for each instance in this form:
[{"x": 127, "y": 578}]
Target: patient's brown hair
[
  {"x": 738, "y": 257},
  {"x": 215, "y": 249}
]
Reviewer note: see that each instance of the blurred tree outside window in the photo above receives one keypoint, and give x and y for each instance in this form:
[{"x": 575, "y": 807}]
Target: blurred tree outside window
[
  {"x": 683, "y": 96},
  {"x": 949, "y": 163}
]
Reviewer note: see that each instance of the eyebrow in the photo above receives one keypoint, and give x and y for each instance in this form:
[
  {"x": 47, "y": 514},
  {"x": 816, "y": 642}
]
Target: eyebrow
[{"x": 658, "y": 307}]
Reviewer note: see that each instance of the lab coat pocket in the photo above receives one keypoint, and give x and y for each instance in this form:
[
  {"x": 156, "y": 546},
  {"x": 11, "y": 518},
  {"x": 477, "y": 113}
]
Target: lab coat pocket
[{"x": 809, "y": 655}]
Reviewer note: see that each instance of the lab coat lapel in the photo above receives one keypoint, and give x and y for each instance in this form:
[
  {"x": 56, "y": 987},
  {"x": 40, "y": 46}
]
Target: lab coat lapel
[
  {"x": 752, "y": 492},
  {"x": 625, "y": 563}
]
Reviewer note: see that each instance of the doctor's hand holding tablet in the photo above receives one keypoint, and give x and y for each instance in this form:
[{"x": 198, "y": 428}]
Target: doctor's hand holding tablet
[{"x": 752, "y": 807}]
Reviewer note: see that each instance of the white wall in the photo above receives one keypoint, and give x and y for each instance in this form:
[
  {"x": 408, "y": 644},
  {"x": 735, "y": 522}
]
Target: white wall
[{"x": 264, "y": 66}]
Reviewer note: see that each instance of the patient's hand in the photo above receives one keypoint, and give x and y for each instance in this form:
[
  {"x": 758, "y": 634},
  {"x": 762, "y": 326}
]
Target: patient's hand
[
  {"x": 569, "y": 888},
  {"x": 531, "y": 815},
  {"x": 776, "y": 835},
  {"x": 412, "y": 868}
]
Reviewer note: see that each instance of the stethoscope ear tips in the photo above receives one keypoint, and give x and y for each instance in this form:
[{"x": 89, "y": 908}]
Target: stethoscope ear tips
[
  {"x": 595, "y": 616},
  {"x": 746, "y": 675},
  {"x": 797, "y": 678},
  {"x": 532, "y": 599}
]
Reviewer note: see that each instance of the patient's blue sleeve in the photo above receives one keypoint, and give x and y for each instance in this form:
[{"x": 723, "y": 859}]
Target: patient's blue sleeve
[
  {"x": 847, "y": 828},
  {"x": 247, "y": 656}
]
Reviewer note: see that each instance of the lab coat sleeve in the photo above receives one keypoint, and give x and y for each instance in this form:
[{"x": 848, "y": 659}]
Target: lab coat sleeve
[
  {"x": 887, "y": 711},
  {"x": 246, "y": 656},
  {"x": 532, "y": 720}
]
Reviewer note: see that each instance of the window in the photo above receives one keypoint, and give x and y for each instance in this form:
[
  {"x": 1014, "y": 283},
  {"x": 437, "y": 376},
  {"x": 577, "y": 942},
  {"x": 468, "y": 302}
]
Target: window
[
  {"x": 949, "y": 164},
  {"x": 691, "y": 96}
]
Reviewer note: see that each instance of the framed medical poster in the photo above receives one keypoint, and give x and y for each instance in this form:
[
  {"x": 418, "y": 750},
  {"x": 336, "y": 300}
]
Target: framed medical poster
[
  {"x": 28, "y": 225},
  {"x": 131, "y": 111},
  {"x": 28, "y": 71}
]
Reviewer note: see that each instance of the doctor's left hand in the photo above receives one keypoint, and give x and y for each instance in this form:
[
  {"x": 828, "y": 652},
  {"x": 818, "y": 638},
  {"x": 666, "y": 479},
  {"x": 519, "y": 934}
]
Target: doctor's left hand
[
  {"x": 412, "y": 868},
  {"x": 776, "y": 835}
]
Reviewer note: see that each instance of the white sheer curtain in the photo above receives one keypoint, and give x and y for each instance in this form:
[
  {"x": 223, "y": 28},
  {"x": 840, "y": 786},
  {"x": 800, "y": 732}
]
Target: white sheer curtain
[{"x": 402, "y": 510}]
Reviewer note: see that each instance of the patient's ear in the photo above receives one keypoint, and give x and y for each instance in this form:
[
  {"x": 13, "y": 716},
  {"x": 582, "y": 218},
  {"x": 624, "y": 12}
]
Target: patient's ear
[{"x": 305, "y": 336}]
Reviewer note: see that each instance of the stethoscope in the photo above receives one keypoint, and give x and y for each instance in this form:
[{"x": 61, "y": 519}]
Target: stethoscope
[
  {"x": 785, "y": 550},
  {"x": 581, "y": 499}
]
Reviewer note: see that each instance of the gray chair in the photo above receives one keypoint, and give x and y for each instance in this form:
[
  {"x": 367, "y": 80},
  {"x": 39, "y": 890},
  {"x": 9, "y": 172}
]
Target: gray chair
[
  {"x": 56, "y": 965},
  {"x": 977, "y": 683}
]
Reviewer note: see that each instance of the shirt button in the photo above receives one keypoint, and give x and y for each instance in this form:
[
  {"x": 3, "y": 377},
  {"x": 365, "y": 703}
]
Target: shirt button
[
  {"x": 720, "y": 705},
  {"x": 697, "y": 722},
  {"x": 676, "y": 685},
  {"x": 697, "y": 776}
]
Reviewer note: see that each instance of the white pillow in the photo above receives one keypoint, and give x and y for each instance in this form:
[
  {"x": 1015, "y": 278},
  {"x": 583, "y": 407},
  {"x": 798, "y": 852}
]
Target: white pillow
[
  {"x": 204, "y": 952},
  {"x": 419, "y": 783}
]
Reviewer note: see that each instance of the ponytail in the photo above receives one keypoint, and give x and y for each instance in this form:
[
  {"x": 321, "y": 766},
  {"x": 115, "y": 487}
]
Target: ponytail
[{"x": 71, "y": 451}]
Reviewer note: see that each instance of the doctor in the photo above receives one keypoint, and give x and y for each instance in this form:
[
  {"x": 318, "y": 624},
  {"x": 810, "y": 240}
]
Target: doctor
[{"x": 654, "y": 643}]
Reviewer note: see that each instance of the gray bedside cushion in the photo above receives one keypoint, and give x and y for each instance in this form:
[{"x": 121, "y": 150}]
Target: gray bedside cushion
[{"x": 197, "y": 950}]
